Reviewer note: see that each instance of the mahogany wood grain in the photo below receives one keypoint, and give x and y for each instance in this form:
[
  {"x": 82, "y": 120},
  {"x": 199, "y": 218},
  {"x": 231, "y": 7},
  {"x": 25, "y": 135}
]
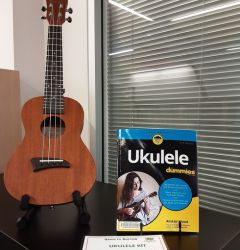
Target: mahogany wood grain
[{"x": 55, "y": 185}]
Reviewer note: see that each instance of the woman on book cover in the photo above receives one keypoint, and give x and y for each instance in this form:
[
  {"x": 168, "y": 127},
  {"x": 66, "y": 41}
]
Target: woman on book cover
[{"x": 134, "y": 203}]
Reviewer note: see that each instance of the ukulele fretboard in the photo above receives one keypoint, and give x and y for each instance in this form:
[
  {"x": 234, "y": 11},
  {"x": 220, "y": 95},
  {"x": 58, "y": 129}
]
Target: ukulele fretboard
[{"x": 53, "y": 91}]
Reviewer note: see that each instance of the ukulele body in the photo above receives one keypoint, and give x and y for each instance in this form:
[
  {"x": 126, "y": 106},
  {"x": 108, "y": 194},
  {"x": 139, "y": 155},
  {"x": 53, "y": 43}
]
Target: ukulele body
[{"x": 53, "y": 185}]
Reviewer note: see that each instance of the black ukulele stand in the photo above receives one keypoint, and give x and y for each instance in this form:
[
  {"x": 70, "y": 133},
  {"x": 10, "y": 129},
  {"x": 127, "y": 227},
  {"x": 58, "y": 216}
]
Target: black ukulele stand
[
  {"x": 23, "y": 221},
  {"x": 29, "y": 210},
  {"x": 80, "y": 203}
]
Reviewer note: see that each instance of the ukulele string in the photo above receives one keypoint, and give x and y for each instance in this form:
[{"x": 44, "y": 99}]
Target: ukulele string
[
  {"x": 55, "y": 109},
  {"x": 57, "y": 85},
  {"x": 50, "y": 117},
  {"x": 57, "y": 42},
  {"x": 46, "y": 97},
  {"x": 60, "y": 95},
  {"x": 56, "y": 79}
]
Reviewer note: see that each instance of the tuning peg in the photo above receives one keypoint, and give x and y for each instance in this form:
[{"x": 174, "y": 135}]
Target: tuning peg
[
  {"x": 43, "y": 17},
  {"x": 70, "y": 10},
  {"x": 69, "y": 19},
  {"x": 44, "y": 8}
]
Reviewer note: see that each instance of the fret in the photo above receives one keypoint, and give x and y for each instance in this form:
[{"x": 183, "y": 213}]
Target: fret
[
  {"x": 53, "y": 108},
  {"x": 49, "y": 99},
  {"x": 55, "y": 65},
  {"x": 55, "y": 91},
  {"x": 53, "y": 39},
  {"x": 54, "y": 47},
  {"x": 53, "y": 70},
  {"x": 53, "y": 73},
  {"x": 52, "y": 67},
  {"x": 57, "y": 85},
  {"x": 53, "y": 97},
  {"x": 58, "y": 62},
  {"x": 49, "y": 85},
  {"x": 53, "y": 60},
  {"x": 55, "y": 56},
  {"x": 49, "y": 102},
  {"x": 50, "y": 80},
  {"x": 54, "y": 53},
  {"x": 50, "y": 73}
]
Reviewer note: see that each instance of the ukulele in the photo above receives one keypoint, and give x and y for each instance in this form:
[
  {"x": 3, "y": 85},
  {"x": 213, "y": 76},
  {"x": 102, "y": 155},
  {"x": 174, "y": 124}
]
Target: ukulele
[
  {"x": 52, "y": 161},
  {"x": 136, "y": 207}
]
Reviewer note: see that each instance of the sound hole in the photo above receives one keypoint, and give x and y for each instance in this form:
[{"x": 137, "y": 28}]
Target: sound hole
[{"x": 52, "y": 127}]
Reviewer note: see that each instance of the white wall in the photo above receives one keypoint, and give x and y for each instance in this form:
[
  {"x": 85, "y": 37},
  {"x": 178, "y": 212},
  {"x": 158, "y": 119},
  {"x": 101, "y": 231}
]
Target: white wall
[
  {"x": 75, "y": 60},
  {"x": 95, "y": 81},
  {"x": 29, "y": 51},
  {"x": 6, "y": 34}
]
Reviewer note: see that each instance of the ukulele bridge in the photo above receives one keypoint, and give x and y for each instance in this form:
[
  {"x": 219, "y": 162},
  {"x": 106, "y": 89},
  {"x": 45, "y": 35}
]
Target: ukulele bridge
[{"x": 40, "y": 163}]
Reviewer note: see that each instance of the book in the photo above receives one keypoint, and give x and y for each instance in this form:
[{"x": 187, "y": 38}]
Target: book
[
  {"x": 157, "y": 188},
  {"x": 147, "y": 242}
]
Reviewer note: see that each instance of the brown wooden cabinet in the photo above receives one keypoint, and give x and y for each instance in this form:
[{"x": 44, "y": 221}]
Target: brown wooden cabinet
[{"x": 10, "y": 131}]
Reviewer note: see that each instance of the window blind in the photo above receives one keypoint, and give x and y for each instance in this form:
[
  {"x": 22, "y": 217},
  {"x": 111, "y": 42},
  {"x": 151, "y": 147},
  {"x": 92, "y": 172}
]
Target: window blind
[{"x": 179, "y": 70}]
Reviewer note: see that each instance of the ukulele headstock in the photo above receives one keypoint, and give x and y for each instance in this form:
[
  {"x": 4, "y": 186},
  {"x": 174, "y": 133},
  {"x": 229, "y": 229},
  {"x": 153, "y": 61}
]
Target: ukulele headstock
[
  {"x": 152, "y": 194},
  {"x": 56, "y": 12}
]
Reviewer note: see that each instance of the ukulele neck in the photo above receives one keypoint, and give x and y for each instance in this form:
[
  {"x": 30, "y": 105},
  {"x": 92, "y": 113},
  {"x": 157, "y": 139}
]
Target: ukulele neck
[{"x": 53, "y": 91}]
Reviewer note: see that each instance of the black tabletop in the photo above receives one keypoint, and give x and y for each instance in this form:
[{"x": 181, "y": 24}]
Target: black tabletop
[{"x": 59, "y": 228}]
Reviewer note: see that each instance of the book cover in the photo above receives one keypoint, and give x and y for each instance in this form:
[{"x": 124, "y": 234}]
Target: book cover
[{"x": 157, "y": 189}]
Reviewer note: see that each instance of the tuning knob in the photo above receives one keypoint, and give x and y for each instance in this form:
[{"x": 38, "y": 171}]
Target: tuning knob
[
  {"x": 43, "y": 17},
  {"x": 69, "y": 10},
  {"x": 69, "y": 19},
  {"x": 44, "y": 8}
]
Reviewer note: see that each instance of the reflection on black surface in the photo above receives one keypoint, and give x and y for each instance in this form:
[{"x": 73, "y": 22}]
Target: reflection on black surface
[
  {"x": 58, "y": 227},
  {"x": 8, "y": 243}
]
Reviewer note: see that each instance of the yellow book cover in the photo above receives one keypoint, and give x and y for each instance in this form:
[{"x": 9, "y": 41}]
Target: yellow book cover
[{"x": 157, "y": 189}]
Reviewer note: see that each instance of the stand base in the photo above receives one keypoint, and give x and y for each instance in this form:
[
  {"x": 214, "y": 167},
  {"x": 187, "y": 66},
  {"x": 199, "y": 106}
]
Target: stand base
[{"x": 29, "y": 209}]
